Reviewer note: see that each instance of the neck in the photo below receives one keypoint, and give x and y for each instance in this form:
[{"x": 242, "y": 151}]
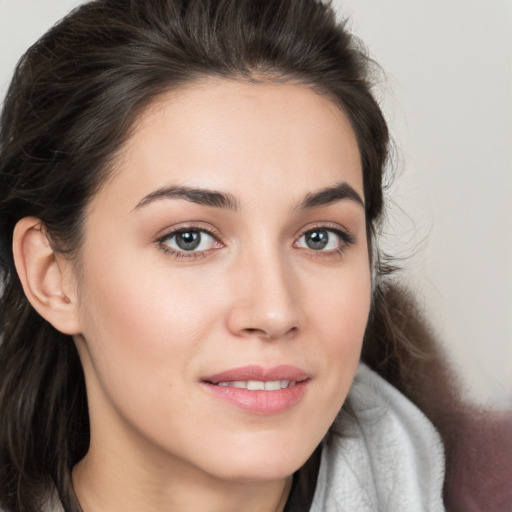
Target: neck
[{"x": 101, "y": 487}]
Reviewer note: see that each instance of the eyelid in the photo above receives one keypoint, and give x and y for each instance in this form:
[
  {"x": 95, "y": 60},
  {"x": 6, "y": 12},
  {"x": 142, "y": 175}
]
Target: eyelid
[
  {"x": 187, "y": 226},
  {"x": 346, "y": 234},
  {"x": 347, "y": 238},
  {"x": 192, "y": 225}
]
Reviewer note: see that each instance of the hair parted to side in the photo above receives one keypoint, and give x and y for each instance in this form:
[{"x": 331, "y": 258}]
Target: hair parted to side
[{"x": 74, "y": 97}]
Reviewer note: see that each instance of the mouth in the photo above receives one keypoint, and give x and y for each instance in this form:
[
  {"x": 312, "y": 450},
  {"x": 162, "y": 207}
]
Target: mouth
[
  {"x": 259, "y": 390},
  {"x": 258, "y": 385}
]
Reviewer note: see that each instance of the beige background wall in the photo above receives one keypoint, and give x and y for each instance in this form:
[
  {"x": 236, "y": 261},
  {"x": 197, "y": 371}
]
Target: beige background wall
[
  {"x": 449, "y": 101},
  {"x": 448, "y": 98}
]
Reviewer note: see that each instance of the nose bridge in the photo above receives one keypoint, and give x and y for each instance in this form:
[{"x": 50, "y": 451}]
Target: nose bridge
[{"x": 266, "y": 301}]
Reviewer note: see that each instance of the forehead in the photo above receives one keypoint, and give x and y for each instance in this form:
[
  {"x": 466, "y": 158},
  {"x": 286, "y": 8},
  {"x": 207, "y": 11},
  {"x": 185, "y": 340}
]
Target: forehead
[{"x": 239, "y": 137}]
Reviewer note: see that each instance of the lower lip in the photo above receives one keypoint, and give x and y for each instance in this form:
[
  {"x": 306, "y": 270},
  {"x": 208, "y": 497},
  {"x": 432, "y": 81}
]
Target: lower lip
[{"x": 260, "y": 402}]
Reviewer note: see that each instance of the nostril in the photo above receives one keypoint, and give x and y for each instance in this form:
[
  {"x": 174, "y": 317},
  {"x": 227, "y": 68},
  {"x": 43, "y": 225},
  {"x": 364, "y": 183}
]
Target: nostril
[
  {"x": 268, "y": 335},
  {"x": 257, "y": 332}
]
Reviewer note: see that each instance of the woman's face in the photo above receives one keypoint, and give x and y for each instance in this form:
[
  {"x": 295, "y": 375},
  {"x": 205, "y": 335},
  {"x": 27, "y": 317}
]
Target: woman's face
[{"x": 227, "y": 252}]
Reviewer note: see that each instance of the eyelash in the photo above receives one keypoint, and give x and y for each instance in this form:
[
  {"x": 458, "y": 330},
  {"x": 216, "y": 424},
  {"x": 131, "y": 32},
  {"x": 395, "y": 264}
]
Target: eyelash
[
  {"x": 346, "y": 240},
  {"x": 182, "y": 254}
]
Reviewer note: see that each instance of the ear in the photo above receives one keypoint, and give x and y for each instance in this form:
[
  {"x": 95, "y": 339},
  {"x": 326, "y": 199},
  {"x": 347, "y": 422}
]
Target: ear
[{"x": 47, "y": 277}]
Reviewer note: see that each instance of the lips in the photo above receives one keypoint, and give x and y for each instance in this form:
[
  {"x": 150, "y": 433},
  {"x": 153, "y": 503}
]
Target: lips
[
  {"x": 258, "y": 385},
  {"x": 260, "y": 373},
  {"x": 258, "y": 389}
]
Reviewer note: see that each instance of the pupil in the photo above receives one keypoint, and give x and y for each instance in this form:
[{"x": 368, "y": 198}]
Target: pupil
[
  {"x": 188, "y": 240},
  {"x": 317, "y": 239}
]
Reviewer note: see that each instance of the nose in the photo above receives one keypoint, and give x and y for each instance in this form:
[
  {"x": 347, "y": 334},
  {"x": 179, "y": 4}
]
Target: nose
[{"x": 266, "y": 301}]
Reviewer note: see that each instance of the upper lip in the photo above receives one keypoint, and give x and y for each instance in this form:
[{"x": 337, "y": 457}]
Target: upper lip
[{"x": 260, "y": 373}]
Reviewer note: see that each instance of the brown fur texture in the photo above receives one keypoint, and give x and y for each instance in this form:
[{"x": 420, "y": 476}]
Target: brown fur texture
[{"x": 478, "y": 442}]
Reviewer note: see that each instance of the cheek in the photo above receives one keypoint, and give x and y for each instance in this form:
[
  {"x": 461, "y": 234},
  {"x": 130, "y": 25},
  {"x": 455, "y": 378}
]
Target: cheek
[
  {"x": 340, "y": 308},
  {"x": 341, "y": 316},
  {"x": 140, "y": 323},
  {"x": 144, "y": 329}
]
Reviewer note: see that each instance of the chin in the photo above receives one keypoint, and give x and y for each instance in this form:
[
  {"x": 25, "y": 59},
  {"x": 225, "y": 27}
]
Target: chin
[
  {"x": 260, "y": 462},
  {"x": 260, "y": 473}
]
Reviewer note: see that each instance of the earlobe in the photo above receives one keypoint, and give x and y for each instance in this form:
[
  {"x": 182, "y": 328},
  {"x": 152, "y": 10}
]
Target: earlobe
[{"x": 45, "y": 276}]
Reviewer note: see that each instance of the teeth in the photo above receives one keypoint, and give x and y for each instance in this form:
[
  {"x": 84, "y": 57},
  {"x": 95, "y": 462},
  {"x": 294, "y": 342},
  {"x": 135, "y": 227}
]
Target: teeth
[
  {"x": 272, "y": 385},
  {"x": 255, "y": 385},
  {"x": 258, "y": 385}
]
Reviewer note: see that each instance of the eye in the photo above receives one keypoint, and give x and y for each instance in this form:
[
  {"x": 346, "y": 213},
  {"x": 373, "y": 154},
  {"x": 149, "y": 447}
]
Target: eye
[
  {"x": 324, "y": 239},
  {"x": 188, "y": 240}
]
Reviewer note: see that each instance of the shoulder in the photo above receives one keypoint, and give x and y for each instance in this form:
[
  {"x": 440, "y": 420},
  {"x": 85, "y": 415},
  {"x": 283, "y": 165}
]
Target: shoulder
[{"x": 384, "y": 455}]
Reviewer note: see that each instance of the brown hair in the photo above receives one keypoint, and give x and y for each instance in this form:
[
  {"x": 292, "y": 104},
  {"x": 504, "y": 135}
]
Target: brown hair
[{"x": 73, "y": 99}]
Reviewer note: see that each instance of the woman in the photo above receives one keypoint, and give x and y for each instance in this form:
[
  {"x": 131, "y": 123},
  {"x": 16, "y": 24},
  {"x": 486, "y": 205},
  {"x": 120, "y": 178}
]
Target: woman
[{"x": 192, "y": 192}]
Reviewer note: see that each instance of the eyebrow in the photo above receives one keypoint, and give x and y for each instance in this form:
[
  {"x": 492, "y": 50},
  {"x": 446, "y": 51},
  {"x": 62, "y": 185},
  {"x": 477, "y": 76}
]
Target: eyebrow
[
  {"x": 228, "y": 201},
  {"x": 200, "y": 196},
  {"x": 330, "y": 195}
]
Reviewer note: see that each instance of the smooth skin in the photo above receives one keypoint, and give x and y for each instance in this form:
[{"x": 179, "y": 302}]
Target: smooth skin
[{"x": 169, "y": 290}]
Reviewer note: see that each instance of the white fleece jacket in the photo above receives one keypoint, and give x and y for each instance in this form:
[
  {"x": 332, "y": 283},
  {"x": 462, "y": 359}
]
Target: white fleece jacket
[{"x": 387, "y": 458}]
